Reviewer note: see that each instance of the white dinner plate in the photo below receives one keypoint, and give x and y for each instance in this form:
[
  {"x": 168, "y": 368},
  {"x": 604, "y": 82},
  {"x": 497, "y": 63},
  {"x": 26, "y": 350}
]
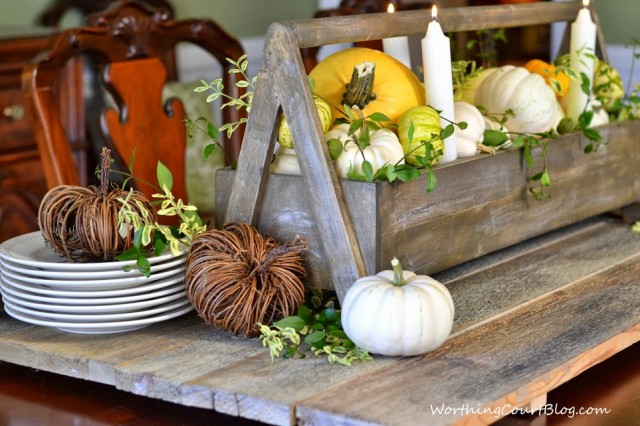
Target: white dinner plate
[
  {"x": 86, "y": 317},
  {"x": 84, "y": 292},
  {"x": 31, "y": 250},
  {"x": 108, "y": 303},
  {"x": 89, "y": 284},
  {"x": 99, "y": 327},
  {"x": 90, "y": 275}
]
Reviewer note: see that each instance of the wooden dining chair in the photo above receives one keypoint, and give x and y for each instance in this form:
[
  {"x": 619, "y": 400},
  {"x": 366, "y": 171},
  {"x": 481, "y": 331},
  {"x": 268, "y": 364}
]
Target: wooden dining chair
[{"x": 130, "y": 44}]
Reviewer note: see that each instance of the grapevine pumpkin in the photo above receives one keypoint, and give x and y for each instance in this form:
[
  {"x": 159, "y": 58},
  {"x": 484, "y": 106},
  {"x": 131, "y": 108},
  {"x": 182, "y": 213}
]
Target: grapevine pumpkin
[
  {"x": 82, "y": 224},
  {"x": 388, "y": 86},
  {"x": 397, "y": 312}
]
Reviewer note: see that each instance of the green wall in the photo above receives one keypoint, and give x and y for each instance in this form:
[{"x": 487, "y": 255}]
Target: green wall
[
  {"x": 242, "y": 18},
  {"x": 619, "y": 19},
  {"x": 250, "y": 18},
  {"x": 246, "y": 18}
]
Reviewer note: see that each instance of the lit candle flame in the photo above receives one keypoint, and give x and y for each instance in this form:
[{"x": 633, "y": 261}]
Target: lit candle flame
[
  {"x": 585, "y": 3},
  {"x": 391, "y": 8},
  {"x": 434, "y": 12}
]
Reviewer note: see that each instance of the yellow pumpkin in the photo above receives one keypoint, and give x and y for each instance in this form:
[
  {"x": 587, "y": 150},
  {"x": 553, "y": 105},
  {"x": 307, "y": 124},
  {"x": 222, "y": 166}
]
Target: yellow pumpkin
[
  {"x": 559, "y": 82},
  {"x": 395, "y": 86}
]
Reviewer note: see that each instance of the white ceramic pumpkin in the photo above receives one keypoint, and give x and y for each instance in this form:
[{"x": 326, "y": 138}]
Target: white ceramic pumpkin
[
  {"x": 285, "y": 162},
  {"x": 467, "y": 140},
  {"x": 397, "y": 313},
  {"x": 526, "y": 94},
  {"x": 384, "y": 148}
]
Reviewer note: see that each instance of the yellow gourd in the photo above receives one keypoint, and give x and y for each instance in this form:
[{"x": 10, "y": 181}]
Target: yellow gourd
[{"x": 396, "y": 87}]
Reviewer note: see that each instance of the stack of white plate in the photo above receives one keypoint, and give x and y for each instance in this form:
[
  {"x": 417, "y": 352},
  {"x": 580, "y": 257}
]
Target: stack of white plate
[{"x": 40, "y": 287}]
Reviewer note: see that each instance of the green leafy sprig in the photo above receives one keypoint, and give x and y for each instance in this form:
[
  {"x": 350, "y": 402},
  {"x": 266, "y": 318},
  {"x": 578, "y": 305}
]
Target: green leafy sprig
[
  {"x": 628, "y": 108},
  {"x": 360, "y": 129},
  {"x": 316, "y": 329},
  {"x": 244, "y": 101},
  {"x": 462, "y": 74},
  {"x": 567, "y": 124},
  {"x": 528, "y": 142},
  {"x": 149, "y": 233}
]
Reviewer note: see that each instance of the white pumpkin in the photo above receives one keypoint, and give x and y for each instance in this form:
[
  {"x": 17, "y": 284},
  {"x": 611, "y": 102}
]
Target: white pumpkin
[
  {"x": 467, "y": 140},
  {"x": 467, "y": 93},
  {"x": 285, "y": 162},
  {"x": 384, "y": 148},
  {"x": 524, "y": 93},
  {"x": 491, "y": 124},
  {"x": 397, "y": 313}
]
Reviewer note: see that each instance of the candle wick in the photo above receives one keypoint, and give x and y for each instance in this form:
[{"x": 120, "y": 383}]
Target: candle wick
[{"x": 433, "y": 19}]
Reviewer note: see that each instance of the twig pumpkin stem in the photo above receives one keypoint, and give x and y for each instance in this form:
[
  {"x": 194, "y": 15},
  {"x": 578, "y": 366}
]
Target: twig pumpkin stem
[{"x": 105, "y": 157}]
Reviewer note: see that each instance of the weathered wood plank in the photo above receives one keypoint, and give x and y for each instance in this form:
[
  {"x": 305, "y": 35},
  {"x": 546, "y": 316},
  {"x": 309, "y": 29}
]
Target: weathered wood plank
[
  {"x": 558, "y": 376},
  {"x": 481, "y": 204},
  {"x": 510, "y": 311},
  {"x": 285, "y": 212},
  {"x": 256, "y": 386},
  {"x": 91, "y": 357},
  {"x": 505, "y": 356},
  {"x": 245, "y": 192},
  {"x": 486, "y": 293},
  {"x": 346, "y": 29},
  {"x": 329, "y": 210}
]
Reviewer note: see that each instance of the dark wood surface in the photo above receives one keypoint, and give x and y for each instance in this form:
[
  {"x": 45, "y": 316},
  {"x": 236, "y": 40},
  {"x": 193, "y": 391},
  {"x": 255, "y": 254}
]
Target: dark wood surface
[{"x": 22, "y": 182}]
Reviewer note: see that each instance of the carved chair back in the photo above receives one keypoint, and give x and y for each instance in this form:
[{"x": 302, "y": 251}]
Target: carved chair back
[{"x": 131, "y": 45}]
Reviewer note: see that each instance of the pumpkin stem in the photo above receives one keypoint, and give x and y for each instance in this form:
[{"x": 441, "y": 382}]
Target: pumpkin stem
[
  {"x": 398, "y": 276},
  {"x": 105, "y": 157},
  {"x": 360, "y": 89}
]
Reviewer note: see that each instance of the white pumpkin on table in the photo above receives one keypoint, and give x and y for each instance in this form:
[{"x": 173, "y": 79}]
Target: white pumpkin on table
[{"x": 397, "y": 313}]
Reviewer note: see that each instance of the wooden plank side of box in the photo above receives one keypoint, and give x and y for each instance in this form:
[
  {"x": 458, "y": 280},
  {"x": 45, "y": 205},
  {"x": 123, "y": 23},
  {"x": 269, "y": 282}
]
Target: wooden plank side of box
[
  {"x": 480, "y": 204},
  {"x": 285, "y": 212}
]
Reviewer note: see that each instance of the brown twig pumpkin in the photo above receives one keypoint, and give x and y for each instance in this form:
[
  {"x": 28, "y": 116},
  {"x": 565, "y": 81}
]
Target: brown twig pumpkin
[
  {"x": 81, "y": 224},
  {"x": 236, "y": 278}
]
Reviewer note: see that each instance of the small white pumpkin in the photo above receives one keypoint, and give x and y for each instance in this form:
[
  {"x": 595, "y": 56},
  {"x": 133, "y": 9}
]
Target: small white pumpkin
[
  {"x": 467, "y": 140},
  {"x": 491, "y": 124},
  {"x": 384, "y": 148},
  {"x": 526, "y": 94},
  {"x": 285, "y": 162},
  {"x": 397, "y": 312}
]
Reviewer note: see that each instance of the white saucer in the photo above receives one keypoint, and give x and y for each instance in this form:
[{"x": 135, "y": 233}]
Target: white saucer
[
  {"x": 31, "y": 250},
  {"x": 90, "y": 275},
  {"x": 179, "y": 301},
  {"x": 83, "y": 291},
  {"x": 99, "y": 327},
  {"x": 105, "y": 304},
  {"x": 88, "y": 284}
]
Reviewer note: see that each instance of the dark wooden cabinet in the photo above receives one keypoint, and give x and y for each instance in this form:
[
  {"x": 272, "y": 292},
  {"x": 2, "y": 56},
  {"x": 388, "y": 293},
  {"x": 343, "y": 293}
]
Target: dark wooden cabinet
[{"x": 22, "y": 183}]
